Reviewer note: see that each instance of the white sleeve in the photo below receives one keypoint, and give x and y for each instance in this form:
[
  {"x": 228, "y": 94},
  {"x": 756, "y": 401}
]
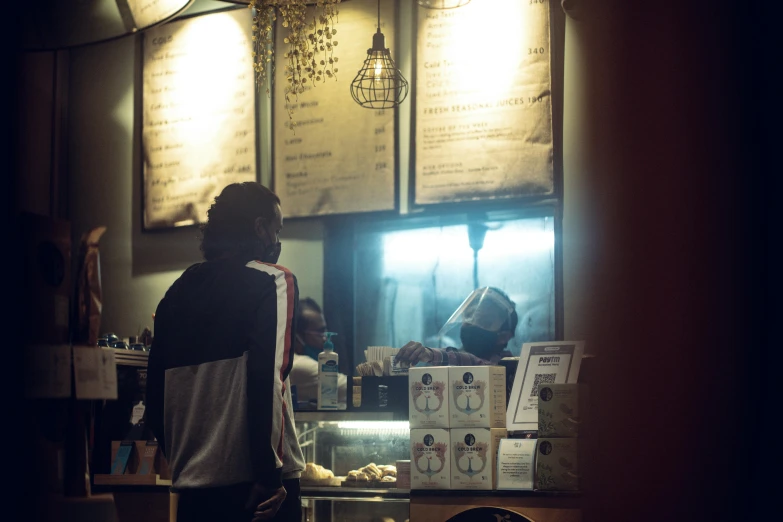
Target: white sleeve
[{"x": 304, "y": 375}]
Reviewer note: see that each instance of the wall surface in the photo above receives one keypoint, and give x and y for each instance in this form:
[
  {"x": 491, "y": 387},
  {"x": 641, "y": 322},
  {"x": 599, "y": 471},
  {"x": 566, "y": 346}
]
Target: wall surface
[
  {"x": 578, "y": 222},
  {"x": 663, "y": 214},
  {"x": 34, "y": 125}
]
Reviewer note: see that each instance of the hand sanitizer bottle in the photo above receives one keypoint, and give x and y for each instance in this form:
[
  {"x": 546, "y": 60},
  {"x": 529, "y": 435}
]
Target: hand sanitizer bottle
[{"x": 327, "y": 375}]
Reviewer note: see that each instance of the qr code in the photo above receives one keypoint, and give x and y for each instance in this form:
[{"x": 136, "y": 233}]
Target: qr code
[{"x": 542, "y": 378}]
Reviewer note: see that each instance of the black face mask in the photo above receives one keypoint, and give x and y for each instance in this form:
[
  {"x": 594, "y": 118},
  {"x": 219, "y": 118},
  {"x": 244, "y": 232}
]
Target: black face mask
[
  {"x": 481, "y": 343},
  {"x": 272, "y": 253}
]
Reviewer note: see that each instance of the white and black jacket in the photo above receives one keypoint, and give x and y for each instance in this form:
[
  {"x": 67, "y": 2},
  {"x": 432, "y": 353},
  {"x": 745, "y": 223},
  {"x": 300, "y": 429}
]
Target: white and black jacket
[{"x": 216, "y": 383}]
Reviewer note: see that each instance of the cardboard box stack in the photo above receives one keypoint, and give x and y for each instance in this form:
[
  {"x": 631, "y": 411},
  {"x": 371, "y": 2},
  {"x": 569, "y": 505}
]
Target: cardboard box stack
[
  {"x": 561, "y": 412},
  {"x": 457, "y": 419}
]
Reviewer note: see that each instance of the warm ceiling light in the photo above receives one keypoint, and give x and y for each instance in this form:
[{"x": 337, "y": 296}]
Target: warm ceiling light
[{"x": 379, "y": 84}]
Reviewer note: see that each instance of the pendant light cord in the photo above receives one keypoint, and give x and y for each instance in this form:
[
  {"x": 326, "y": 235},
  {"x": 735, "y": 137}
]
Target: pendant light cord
[{"x": 379, "y": 15}]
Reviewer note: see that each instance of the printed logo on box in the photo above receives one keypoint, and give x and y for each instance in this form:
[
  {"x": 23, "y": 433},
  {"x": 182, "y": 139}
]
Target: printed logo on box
[
  {"x": 556, "y": 465},
  {"x": 466, "y": 391},
  {"x": 470, "y": 458},
  {"x": 435, "y": 456},
  {"x": 431, "y": 393}
]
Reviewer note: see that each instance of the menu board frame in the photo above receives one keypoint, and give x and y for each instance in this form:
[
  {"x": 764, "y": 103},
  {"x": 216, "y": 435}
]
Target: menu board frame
[
  {"x": 347, "y": 73},
  {"x": 254, "y": 149},
  {"x": 557, "y": 65}
]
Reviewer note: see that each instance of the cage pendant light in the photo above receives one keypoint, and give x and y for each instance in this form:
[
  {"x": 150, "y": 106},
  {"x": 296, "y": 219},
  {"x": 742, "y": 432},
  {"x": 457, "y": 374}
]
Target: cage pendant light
[
  {"x": 442, "y": 4},
  {"x": 379, "y": 84}
]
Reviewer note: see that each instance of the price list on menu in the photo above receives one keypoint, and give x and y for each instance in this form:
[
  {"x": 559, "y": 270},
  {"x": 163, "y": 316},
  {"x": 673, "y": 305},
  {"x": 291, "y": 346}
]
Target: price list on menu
[
  {"x": 483, "y": 116},
  {"x": 198, "y": 130},
  {"x": 338, "y": 157}
]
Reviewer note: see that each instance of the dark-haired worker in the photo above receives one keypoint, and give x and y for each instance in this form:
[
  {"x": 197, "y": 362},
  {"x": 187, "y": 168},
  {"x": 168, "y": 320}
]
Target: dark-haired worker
[{"x": 487, "y": 319}]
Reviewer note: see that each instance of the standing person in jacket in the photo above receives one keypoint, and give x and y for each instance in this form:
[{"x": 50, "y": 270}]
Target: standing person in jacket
[
  {"x": 218, "y": 395},
  {"x": 487, "y": 320}
]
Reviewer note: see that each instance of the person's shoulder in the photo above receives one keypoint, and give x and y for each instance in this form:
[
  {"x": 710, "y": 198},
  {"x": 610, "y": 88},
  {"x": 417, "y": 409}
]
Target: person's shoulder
[
  {"x": 194, "y": 267},
  {"x": 304, "y": 364},
  {"x": 189, "y": 272},
  {"x": 277, "y": 271},
  {"x": 304, "y": 360},
  {"x": 186, "y": 278}
]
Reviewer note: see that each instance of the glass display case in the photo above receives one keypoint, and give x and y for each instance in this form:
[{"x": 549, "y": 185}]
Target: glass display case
[{"x": 347, "y": 441}]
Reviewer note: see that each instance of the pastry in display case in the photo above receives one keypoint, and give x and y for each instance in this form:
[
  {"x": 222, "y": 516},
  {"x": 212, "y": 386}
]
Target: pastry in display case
[
  {"x": 316, "y": 475},
  {"x": 351, "y": 471},
  {"x": 371, "y": 475}
]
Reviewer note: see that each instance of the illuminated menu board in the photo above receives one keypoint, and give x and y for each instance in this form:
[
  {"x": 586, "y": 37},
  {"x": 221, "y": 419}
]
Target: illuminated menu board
[
  {"x": 483, "y": 115},
  {"x": 339, "y": 157},
  {"x": 199, "y": 126}
]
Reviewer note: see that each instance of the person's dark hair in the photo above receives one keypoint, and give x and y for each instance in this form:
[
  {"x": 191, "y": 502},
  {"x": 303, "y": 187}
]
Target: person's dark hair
[
  {"x": 511, "y": 322},
  {"x": 307, "y": 303},
  {"x": 230, "y": 225}
]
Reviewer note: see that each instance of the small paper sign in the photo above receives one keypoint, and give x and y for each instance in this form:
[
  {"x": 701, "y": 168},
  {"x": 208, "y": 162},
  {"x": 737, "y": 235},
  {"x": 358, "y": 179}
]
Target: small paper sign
[
  {"x": 95, "y": 372},
  {"x": 137, "y": 413},
  {"x": 516, "y": 464}
]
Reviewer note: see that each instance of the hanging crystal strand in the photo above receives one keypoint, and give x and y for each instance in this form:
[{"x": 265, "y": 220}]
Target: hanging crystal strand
[{"x": 304, "y": 41}]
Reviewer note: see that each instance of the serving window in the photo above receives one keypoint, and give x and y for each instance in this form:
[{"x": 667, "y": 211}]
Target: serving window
[{"x": 408, "y": 276}]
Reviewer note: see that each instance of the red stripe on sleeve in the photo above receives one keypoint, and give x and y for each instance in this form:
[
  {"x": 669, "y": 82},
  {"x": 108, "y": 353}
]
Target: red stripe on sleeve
[{"x": 289, "y": 286}]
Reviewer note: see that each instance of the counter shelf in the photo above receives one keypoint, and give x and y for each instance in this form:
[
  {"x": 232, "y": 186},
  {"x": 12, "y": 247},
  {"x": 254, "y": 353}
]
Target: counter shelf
[
  {"x": 356, "y": 494},
  {"x": 127, "y": 357}
]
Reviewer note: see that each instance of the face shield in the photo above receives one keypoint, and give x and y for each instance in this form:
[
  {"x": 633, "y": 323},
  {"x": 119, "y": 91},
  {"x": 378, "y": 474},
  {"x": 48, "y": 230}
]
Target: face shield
[{"x": 484, "y": 308}]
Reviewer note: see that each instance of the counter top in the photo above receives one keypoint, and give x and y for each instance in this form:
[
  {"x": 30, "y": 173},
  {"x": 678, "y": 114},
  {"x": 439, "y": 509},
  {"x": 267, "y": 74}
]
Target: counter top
[
  {"x": 401, "y": 495},
  {"x": 492, "y": 493}
]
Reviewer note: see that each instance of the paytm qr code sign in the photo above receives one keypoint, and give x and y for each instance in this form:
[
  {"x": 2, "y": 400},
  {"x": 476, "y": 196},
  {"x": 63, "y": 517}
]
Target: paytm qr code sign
[{"x": 540, "y": 363}]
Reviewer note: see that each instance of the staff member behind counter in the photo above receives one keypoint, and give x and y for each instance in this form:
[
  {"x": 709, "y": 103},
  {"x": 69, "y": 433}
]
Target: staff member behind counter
[
  {"x": 487, "y": 319},
  {"x": 308, "y": 343}
]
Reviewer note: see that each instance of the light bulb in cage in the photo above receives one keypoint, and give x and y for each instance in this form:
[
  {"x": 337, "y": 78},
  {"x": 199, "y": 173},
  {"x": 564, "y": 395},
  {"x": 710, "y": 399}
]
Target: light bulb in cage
[
  {"x": 379, "y": 84},
  {"x": 442, "y": 4}
]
